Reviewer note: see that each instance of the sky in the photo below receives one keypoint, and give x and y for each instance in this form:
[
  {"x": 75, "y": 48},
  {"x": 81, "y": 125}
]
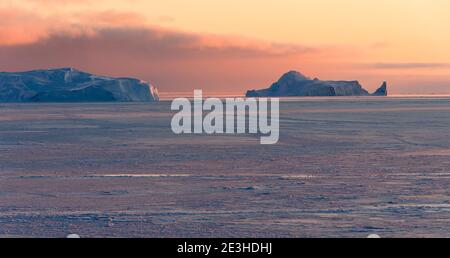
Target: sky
[{"x": 234, "y": 45}]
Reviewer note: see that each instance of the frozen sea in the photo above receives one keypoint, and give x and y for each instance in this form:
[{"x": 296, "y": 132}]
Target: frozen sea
[{"x": 344, "y": 167}]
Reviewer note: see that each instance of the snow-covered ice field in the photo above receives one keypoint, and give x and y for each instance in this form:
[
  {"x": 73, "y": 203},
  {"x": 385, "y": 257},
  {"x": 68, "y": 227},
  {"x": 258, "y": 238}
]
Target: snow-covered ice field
[{"x": 344, "y": 167}]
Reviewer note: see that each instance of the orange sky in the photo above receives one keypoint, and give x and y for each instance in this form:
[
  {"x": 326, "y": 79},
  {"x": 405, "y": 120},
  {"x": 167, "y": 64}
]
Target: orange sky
[{"x": 234, "y": 45}]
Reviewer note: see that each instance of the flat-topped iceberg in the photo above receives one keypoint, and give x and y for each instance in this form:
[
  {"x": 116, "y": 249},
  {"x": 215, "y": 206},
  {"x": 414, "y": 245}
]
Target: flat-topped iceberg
[
  {"x": 71, "y": 85},
  {"x": 294, "y": 84}
]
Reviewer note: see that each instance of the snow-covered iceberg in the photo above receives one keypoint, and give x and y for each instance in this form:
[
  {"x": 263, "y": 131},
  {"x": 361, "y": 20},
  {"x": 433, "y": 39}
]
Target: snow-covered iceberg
[
  {"x": 71, "y": 85},
  {"x": 294, "y": 84}
]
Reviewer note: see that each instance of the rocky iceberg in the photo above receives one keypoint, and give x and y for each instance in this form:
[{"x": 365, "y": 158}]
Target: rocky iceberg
[
  {"x": 71, "y": 85},
  {"x": 293, "y": 84},
  {"x": 382, "y": 91}
]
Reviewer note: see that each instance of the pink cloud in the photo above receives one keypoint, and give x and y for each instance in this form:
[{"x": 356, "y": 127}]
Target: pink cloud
[{"x": 172, "y": 60}]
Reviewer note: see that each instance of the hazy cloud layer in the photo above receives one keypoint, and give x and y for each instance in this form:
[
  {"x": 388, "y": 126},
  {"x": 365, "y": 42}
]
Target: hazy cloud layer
[
  {"x": 408, "y": 65},
  {"x": 175, "y": 60},
  {"x": 123, "y": 44}
]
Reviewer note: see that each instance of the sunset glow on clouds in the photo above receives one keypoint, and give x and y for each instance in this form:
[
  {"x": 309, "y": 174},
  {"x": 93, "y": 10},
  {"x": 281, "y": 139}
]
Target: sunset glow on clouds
[{"x": 234, "y": 45}]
